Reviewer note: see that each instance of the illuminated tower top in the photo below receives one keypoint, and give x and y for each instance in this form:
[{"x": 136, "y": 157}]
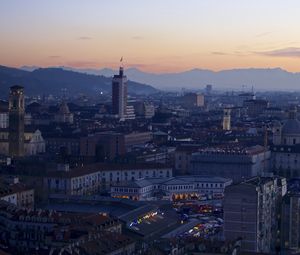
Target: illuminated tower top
[{"x": 119, "y": 94}]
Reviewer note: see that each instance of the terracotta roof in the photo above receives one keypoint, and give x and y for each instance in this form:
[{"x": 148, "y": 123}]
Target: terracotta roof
[
  {"x": 11, "y": 189},
  {"x": 98, "y": 219},
  {"x": 106, "y": 243}
]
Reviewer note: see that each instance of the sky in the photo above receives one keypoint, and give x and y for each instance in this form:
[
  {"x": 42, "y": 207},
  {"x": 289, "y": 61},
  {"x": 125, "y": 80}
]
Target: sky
[{"x": 152, "y": 35}]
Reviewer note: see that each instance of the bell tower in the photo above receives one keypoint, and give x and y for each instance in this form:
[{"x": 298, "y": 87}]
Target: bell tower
[
  {"x": 16, "y": 121},
  {"x": 277, "y": 133},
  {"x": 226, "y": 119}
]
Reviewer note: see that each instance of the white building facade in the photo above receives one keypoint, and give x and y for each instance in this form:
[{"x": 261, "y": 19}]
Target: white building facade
[
  {"x": 175, "y": 188},
  {"x": 91, "y": 179},
  {"x": 34, "y": 142}
]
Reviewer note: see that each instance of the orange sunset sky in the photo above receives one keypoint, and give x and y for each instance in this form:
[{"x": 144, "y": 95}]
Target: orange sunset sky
[{"x": 154, "y": 36}]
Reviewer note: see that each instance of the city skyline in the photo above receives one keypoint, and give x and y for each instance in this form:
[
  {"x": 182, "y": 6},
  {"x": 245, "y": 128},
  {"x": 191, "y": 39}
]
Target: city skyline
[
  {"x": 149, "y": 127},
  {"x": 156, "y": 36}
]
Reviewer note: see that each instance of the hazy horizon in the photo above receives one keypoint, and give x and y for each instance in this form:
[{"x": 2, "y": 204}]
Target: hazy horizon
[
  {"x": 116, "y": 68},
  {"x": 260, "y": 79}
]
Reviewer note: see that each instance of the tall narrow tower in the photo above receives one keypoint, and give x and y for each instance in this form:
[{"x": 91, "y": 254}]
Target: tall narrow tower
[
  {"x": 16, "y": 121},
  {"x": 227, "y": 119},
  {"x": 119, "y": 94}
]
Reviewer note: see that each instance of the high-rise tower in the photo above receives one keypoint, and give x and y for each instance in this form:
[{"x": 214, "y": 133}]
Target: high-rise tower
[
  {"x": 119, "y": 94},
  {"x": 16, "y": 121},
  {"x": 227, "y": 119}
]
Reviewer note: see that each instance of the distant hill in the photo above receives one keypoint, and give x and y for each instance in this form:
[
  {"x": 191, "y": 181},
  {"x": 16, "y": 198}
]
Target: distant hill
[
  {"x": 259, "y": 78},
  {"x": 52, "y": 80}
]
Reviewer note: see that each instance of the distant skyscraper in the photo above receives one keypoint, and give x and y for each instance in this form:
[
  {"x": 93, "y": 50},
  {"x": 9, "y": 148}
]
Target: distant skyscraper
[
  {"x": 119, "y": 94},
  {"x": 16, "y": 121},
  {"x": 227, "y": 119},
  {"x": 208, "y": 89}
]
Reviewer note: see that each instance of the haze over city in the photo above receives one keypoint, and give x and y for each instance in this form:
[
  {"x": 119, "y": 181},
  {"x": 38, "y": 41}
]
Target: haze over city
[{"x": 154, "y": 36}]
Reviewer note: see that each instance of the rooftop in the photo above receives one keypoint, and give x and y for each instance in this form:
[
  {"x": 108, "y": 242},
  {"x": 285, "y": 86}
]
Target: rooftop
[
  {"x": 79, "y": 219},
  {"x": 6, "y": 189},
  {"x": 135, "y": 184},
  {"x": 258, "y": 180},
  {"x": 88, "y": 169},
  {"x": 232, "y": 150},
  {"x": 291, "y": 126},
  {"x": 105, "y": 243},
  {"x": 178, "y": 180},
  {"x": 16, "y": 87}
]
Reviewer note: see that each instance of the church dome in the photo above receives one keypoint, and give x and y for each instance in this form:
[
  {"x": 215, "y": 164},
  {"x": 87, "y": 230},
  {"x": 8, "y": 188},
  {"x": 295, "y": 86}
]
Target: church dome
[
  {"x": 276, "y": 123},
  {"x": 291, "y": 126}
]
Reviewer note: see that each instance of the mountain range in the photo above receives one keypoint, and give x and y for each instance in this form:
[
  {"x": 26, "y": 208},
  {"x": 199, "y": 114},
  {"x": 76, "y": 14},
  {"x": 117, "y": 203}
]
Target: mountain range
[
  {"x": 52, "y": 80},
  {"x": 260, "y": 78}
]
